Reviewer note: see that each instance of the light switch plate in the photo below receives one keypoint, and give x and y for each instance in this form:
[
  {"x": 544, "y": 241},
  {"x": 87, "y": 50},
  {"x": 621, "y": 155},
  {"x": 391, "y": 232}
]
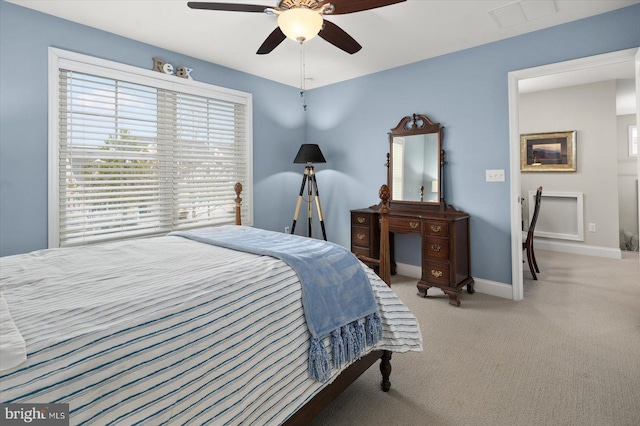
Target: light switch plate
[{"x": 495, "y": 175}]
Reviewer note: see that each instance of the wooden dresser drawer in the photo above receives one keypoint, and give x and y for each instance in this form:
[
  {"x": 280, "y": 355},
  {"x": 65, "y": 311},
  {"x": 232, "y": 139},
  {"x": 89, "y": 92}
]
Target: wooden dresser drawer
[
  {"x": 436, "y": 272},
  {"x": 436, "y": 247},
  {"x": 361, "y": 251},
  {"x": 360, "y": 219},
  {"x": 403, "y": 224},
  {"x": 434, "y": 227},
  {"x": 365, "y": 233},
  {"x": 360, "y": 236}
]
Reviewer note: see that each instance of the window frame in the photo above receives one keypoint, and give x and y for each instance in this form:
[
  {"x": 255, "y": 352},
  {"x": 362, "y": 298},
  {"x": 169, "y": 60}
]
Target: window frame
[{"x": 59, "y": 58}]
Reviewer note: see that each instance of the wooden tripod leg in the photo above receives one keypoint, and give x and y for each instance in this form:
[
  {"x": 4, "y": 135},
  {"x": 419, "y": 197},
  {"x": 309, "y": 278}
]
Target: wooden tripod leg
[
  {"x": 309, "y": 170},
  {"x": 295, "y": 215},
  {"x": 314, "y": 182}
]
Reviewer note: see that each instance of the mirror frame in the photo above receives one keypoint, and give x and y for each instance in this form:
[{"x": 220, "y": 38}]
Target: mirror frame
[{"x": 418, "y": 124}]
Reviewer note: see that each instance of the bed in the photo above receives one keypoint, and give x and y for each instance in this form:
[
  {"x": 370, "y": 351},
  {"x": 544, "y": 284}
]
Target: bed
[{"x": 171, "y": 330}]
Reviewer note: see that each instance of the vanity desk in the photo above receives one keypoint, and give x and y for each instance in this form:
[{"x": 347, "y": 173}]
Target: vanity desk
[
  {"x": 444, "y": 237},
  {"x": 443, "y": 230}
]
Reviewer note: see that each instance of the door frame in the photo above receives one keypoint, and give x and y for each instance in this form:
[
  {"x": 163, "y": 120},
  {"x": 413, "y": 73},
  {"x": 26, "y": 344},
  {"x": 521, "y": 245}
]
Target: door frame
[{"x": 514, "y": 78}]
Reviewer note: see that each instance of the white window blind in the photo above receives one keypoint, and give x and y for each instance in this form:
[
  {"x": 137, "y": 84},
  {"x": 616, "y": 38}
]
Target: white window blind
[{"x": 137, "y": 160}]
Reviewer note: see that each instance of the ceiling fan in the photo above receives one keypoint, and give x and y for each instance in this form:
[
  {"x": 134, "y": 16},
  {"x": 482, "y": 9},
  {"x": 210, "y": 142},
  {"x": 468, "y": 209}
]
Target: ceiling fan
[{"x": 301, "y": 20}]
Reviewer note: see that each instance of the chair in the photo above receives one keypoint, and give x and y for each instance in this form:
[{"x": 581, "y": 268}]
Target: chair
[{"x": 527, "y": 244}]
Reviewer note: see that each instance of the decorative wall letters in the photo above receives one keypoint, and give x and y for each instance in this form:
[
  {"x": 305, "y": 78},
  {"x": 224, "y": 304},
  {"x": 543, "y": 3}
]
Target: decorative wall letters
[{"x": 166, "y": 68}]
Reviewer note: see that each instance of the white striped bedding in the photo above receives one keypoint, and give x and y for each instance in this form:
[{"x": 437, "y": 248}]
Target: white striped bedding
[{"x": 168, "y": 331}]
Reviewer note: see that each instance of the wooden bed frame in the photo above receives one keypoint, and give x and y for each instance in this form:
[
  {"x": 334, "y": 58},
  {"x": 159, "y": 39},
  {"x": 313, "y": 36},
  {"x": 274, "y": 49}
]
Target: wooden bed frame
[{"x": 323, "y": 398}]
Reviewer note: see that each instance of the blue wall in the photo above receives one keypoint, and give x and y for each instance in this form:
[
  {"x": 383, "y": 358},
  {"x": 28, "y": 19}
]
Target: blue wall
[{"x": 465, "y": 91}]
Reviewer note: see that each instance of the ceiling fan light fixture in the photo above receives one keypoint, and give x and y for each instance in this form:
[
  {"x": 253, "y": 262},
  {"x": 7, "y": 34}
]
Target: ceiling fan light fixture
[{"x": 300, "y": 24}]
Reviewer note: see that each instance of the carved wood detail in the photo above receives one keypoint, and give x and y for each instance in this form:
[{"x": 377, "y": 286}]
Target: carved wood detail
[
  {"x": 418, "y": 123},
  {"x": 238, "y": 190}
]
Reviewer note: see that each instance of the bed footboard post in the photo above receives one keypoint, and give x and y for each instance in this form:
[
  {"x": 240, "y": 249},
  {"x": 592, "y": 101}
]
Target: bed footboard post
[
  {"x": 385, "y": 255},
  {"x": 385, "y": 369},
  {"x": 238, "y": 189}
]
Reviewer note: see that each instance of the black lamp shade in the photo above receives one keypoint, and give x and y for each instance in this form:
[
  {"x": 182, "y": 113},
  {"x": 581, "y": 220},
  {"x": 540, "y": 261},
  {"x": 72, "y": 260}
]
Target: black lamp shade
[{"x": 309, "y": 153}]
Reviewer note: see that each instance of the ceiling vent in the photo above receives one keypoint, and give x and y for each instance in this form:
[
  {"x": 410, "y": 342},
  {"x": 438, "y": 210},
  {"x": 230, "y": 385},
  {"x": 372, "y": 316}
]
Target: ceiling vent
[{"x": 522, "y": 11}]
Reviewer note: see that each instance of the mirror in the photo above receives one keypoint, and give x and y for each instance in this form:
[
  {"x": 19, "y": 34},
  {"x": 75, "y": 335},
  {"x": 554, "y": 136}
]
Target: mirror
[{"x": 415, "y": 161}]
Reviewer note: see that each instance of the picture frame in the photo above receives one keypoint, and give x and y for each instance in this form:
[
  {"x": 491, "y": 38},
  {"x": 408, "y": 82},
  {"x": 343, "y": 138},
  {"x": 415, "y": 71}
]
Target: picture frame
[{"x": 548, "y": 152}]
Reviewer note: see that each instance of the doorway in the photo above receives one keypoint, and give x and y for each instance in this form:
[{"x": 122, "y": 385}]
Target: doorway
[{"x": 514, "y": 78}]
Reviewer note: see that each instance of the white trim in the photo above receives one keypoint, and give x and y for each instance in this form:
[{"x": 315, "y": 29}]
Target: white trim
[
  {"x": 583, "y": 249},
  {"x": 637, "y": 66},
  {"x": 53, "y": 192},
  {"x": 579, "y": 197},
  {"x": 59, "y": 58},
  {"x": 514, "y": 141},
  {"x": 514, "y": 185},
  {"x": 116, "y": 70},
  {"x": 493, "y": 288},
  {"x": 409, "y": 270}
]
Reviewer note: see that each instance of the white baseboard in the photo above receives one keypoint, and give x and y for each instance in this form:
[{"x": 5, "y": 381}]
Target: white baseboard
[
  {"x": 494, "y": 288},
  {"x": 491, "y": 288},
  {"x": 566, "y": 247},
  {"x": 407, "y": 270}
]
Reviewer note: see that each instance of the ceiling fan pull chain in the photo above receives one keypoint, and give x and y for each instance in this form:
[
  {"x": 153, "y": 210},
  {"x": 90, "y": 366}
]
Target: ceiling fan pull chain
[{"x": 302, "y": 77}]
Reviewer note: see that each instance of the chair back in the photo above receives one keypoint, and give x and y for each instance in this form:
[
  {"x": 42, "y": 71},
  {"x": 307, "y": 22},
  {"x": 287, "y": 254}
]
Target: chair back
[{"x": 536, "y": 210}]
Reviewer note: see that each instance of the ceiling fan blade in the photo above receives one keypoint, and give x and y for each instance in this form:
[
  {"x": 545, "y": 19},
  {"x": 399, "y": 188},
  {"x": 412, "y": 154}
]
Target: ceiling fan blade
[
  {"x": 274, "y": 39},
  {"x": 227, "y": 6},
  {"x": 339, "y": 38},
  {"x": 349, "y": 6}
]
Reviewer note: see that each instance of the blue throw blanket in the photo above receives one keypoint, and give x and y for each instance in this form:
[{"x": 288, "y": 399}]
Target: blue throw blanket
[{"x": 336, "y": 294}]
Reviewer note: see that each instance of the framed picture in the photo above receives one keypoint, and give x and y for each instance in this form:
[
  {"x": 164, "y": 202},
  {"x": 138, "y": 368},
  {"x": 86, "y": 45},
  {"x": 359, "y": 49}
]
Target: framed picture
[{"x": 548, "y": 152}]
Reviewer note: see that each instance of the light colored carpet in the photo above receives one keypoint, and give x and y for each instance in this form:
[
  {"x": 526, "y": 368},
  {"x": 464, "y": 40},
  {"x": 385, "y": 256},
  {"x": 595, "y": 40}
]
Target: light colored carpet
[{"x": 568, "y": 354}]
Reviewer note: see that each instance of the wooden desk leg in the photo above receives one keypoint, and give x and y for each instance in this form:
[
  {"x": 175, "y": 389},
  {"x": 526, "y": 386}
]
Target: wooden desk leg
[
  {"x": 470, "y": 287},
  {"x": 422, "y": 289},
  {"x": 454, "y": 296},
  {"x": 454, "y": 299},
  {"x": 392, "y": 251}
]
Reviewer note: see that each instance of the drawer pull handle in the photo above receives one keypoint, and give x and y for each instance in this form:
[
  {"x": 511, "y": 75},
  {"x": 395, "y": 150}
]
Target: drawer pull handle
[
  {"x": 436, "y": 228},
  {"x": 435, "y": 247},
  {"x": 360, "y": 219},
  {"x": 414, "y": 225},
  {"x": 436, "y": 273},
  {"x": 360, "y": 236}
]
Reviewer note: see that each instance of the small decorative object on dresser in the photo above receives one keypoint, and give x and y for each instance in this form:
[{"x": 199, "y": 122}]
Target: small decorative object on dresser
[{"x": 444, "y": 231}]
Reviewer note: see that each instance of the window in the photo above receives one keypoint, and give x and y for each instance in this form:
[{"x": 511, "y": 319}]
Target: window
[
  {"x": 137, "y": 153},
  {"x": 398, "y": 168},
  {"x": 633, "y": 140}
]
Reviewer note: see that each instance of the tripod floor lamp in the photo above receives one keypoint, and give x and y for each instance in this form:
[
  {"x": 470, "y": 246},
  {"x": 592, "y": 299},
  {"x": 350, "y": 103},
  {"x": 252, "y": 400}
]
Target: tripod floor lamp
[{"x": 309, "y": 154}]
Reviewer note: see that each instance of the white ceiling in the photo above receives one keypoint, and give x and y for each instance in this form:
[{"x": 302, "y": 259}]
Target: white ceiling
[
  {"x": 391, "y": 36},
  {"x": 623, "y": 72}
]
